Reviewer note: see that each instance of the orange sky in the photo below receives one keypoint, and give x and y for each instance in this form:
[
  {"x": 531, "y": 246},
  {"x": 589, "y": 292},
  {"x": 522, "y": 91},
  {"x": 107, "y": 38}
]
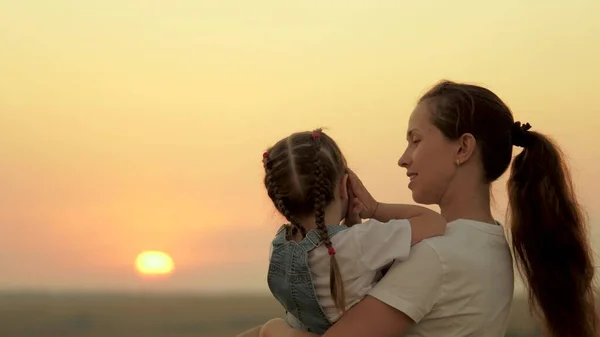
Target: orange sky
[{"x": 129, "y": 125}]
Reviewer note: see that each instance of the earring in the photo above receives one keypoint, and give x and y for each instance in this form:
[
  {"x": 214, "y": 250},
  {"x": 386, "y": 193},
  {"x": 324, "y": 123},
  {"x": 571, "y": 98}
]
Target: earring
[{"x": 457, "y": 162}]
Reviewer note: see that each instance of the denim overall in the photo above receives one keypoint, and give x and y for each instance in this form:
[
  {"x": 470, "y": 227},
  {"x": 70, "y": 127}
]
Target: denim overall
[{"x": 291, "y": 283}]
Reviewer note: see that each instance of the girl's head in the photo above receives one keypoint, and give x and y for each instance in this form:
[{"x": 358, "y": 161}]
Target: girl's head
[
  {"x": 305, "y": 177},
  {"x": 461, "y": 137},
  {"x": 305, "y": 174}
]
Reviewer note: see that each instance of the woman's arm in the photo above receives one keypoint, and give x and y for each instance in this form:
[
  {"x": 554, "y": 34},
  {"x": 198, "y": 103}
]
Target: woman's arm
[
  {"x": 405, "y": 295},
  {"x": 402, "y": 298},
  {"x": 279, "y": 328},
  {"x": 369, "y": 318},
  {"x": 254, "y": 332}
]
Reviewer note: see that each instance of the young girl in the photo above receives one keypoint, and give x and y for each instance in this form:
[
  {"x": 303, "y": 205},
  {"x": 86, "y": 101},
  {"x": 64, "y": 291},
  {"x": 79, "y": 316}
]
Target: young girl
[{"x": 318, "y": 268}]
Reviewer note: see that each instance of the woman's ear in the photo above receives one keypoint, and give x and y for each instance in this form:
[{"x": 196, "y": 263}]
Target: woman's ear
[
  {"x": 467, "y": 145},
  {"x": 343, "y": 187}
]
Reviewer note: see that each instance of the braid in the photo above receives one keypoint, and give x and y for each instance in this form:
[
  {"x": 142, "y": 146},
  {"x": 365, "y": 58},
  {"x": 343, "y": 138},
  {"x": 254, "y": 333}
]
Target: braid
[
  {"x": 295, "y": 226},
  {"x": 336, "y": 285},
  {"x": 319, "y": 196}
]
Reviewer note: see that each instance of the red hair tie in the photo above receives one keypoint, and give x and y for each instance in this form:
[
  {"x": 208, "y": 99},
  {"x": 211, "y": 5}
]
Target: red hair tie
[
  {"x": 266, "y": 155},
  {"x": 331, "y": 250},
  {"x": 316, "y": 135}
]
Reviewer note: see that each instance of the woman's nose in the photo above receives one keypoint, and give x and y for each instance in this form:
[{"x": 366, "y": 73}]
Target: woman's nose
[{"x": 403, "y": 161}]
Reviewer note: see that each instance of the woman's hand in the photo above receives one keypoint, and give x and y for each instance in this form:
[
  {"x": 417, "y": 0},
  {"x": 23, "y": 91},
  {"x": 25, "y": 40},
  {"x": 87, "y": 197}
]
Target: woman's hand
[{"x": 367, "y": 203}]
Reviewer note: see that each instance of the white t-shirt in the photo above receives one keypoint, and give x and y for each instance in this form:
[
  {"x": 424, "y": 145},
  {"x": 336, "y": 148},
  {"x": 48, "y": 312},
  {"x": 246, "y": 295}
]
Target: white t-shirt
[
  {"x": 459, "y": 284},
  {"x": 361, "y": 252}
]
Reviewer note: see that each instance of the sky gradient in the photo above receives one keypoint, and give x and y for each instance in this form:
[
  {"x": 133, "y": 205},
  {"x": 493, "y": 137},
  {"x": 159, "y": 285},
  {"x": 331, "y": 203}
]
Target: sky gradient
[{"x": 133, "y": 125}]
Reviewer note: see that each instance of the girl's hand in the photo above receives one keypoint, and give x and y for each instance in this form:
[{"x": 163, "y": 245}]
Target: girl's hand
[
  {"x": 368, "y": 204},
  {"x": 279, "y": 328},
  {"x": 353, "y": 209}
]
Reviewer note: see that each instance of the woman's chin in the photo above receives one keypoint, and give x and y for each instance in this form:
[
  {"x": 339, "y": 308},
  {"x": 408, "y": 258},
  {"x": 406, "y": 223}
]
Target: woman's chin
[
  {"x": 421, "y": 198},
  {"x": 415, "y": 196}
]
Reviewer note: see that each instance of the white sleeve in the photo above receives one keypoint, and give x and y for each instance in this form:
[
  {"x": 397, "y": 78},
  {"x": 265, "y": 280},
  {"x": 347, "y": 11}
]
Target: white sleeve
[
  {"x": 381, "y": 243},
  {"x": 414, "y": 286}
]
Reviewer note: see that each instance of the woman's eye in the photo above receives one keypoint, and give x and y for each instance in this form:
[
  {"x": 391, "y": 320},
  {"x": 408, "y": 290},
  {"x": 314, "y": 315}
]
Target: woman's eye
[{"x": 415, "y": 141}]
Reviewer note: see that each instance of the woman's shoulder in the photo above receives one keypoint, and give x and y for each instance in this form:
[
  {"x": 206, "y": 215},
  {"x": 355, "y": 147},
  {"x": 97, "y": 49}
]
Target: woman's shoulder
[
  {"x": 461, "y": 255},
  {"x": 467, "y": 238},
  {"x": 465, "y": 257}
]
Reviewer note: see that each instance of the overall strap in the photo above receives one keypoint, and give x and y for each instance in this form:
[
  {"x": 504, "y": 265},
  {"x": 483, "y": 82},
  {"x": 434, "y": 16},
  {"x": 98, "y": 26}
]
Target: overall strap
[
  {"x": 279, "y": 237},
  {"x": 313, "y": 239}
]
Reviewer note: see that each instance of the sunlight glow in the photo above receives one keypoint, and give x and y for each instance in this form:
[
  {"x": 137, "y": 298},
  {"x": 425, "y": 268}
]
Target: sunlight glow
[{"x": 153, "y": 262}]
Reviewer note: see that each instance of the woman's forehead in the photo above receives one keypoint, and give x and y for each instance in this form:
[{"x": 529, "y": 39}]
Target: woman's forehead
[{"x": 419, "y": 118}]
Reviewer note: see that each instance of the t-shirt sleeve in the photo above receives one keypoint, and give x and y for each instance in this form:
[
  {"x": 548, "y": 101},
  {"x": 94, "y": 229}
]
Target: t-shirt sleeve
[
  {"x": 414, "y": 286},
  {"x": 380, "y": 243}
]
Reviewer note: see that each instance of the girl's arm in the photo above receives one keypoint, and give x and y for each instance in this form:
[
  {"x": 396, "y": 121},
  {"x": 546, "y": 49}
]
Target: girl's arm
[
  {"x": 352, "y": 216},
  {"x": 385, "y": 212},
  {"x": 424, "y": 222}
]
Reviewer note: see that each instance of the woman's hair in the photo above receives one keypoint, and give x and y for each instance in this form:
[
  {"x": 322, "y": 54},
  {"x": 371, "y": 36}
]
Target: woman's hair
[
  {"x": 301, "y": 174},
  {"x": 548, "y": 227}
]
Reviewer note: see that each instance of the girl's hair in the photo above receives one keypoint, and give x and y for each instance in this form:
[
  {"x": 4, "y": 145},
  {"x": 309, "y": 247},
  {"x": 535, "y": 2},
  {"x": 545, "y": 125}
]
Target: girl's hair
[
  {"x": 301, "y": 174},
  {"x": 548, "y": 227}
]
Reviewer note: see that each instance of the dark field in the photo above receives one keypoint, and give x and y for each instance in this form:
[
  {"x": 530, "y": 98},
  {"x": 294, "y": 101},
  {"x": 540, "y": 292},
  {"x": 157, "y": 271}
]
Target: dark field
[{"x": 153, "y": 316}]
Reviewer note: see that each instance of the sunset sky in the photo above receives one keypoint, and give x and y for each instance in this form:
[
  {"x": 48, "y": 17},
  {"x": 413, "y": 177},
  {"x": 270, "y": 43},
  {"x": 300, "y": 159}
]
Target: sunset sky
[{"x": 129, "y": 125}]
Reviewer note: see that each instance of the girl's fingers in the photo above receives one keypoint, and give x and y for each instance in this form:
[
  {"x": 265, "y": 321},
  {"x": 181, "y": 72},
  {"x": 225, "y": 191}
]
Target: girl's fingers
[
  {"x": 350, "y": 190},
  {"x": 276, "y": 328},
  {"x": 356, "y": 188},
  {"x": 357, "y": 206},
  {"x": 354, "y": 178}
]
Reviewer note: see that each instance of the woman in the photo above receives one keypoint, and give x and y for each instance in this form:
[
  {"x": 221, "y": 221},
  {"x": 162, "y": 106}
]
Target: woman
[{"x": 460, "y": 140}]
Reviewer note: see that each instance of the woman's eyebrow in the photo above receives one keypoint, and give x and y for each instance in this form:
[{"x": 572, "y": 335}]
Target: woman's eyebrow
[{"x": 410, "y": 133}]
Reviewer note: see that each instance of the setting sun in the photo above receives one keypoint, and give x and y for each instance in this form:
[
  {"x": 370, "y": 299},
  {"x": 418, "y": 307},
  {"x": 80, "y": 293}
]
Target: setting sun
[{"x": 153, "y": 262}]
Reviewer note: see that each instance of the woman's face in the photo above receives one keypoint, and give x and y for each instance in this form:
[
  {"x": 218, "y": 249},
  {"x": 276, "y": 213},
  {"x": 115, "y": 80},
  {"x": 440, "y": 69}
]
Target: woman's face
[{"x": 429, "y": 158}]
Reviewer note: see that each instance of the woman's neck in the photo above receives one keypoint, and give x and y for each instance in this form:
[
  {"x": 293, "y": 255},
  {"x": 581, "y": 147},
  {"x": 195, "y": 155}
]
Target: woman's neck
[{"x": 468, "y": 202}]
